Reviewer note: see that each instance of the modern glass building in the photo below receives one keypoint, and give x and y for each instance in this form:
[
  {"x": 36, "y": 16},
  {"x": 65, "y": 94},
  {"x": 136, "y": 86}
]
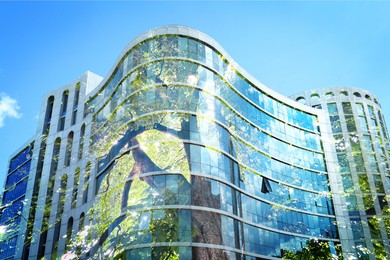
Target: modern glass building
[
  {"x": 13, "y": 200},
  {"x": 179, "y": 153},
  {"x": 362, "y": 144}
]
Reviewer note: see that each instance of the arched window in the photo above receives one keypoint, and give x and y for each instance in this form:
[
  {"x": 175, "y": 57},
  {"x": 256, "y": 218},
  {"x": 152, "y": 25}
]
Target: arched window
[
  {"x": 69, "y": 144},
  {"x": 48, "y": 115},
  {"x": 368, "y": 97},
  {"x": 314, "y": 98},
  {"x": 376, "y": 101},
  {"x": 329, "y": 95},
  {"x": 301, "y": 100},
  {"x": 86, "y": 182},
  {"x": 75, "y": 191},
  {"x": 357, "y": 94},
  {"x": 76, "y": 103},
  {"x": 64, "y": 105},
  {"x": 81, "y": 221},
  {"x": 60, "y": 211},
  {"x": 56, "y": 152},
  {"x": 81, "y": 142},
  {"x": 69, "y": 231},
  {"x": 62, "y": 193},
  {"x": 344, "y": 93}
]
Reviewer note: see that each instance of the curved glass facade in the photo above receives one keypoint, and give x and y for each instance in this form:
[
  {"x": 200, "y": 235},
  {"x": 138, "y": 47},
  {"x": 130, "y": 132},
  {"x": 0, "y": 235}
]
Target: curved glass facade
[
  {"x": 196, "y": 161},
  {"x": 179, "y": 153}
]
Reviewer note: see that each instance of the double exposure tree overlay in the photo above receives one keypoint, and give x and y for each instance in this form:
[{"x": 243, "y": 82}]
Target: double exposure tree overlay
[
  {"x": 150, "y": 166},
  {"x": 314, "y": 250},
  {"x": 168, "y": 125}
]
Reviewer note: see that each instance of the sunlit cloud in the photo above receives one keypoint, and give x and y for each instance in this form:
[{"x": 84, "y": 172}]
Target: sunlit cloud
[{"x": 8, "y": 108}]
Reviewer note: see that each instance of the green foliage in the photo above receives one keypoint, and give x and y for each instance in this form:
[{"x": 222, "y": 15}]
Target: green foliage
[{"x": 314, "y": 250}]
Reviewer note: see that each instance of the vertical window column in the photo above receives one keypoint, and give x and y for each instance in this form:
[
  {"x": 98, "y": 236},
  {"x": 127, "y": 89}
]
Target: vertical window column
[
  {"x": 75, "y": 103},
  {"x": 68, "y": 153},
  {"x": 86, "y": 182},
  {"x": 64, "y": 105}
]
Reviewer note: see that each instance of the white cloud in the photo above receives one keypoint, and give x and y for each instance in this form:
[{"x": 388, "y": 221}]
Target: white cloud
[{"x": 8, "y": 108}]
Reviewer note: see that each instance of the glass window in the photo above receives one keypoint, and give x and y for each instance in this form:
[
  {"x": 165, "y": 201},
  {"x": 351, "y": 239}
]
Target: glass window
[
  {"x": 350, "y": 121},
  {"x": 379, "y": 249},
  {"x": 387, "y": 224},
  {"x": 336, "y": 124},
  {"x": 332, "y": 109},
  {"x": 21, "y": 158},
  {"x": 347, "y": 182},
  {"x": 18, "y": 175},
  {"x": 82, "y": 221},
  {"x": 369, "y": 204},
  {"x": 69, "y": 231},
  {"x": 357, "y": 154},
  {"x": 76, "y": 181},
  {"x": 363, "y": 124},
  {"x": 378, "y": 183},
  {"x": 81, "y": 142},
  {"x": 359, "y": 163},
  {"x": 75, "y": 103},
  {"x": 339, "y": 143},
  {"x": 383, "y": 205},
  {"x": 360, "y": 109},
  {"x": 364, "y": 184},
  {"x": 373, "y": 224},
  {"x": 68, "y": 153},
  {"x": 60, "y": 211},
  {"x": 48, "y": 115},
  {"x": 367, "y": 144},
  {"x": 343, "y": 162},
  {"x": 357, "y": 229},
  {"x": 15, "y": 192},
  {"x": 371, "y": 111},
  {"x": 86, "y": 182},
  {"x": 352, "y": 205},
  {"x": 372, "y": 162},
  {"x": 347, "y": 108},
  {"x": 64, "y": 105}
]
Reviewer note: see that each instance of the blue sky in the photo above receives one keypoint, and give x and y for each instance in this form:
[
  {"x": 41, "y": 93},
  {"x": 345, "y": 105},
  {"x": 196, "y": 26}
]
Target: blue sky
[{"x": 289, "y": 46}]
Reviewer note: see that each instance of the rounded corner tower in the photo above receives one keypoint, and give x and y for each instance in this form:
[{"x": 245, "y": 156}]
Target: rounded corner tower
[{"x": 361, "y": 142}]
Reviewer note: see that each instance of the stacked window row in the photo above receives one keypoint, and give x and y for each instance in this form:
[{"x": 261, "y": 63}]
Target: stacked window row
[
  {"x": 210, "y": 107},
  {"x": 177, "y": 46},
  {"x": 201, "y": 191},
  {"x": 179, "y": 72},
  {"x": 260, "y": 163},
  {"x": 210, "y": 162},
  {"x": 21, "y": 158},
  {"x": 182, "y": 226}
]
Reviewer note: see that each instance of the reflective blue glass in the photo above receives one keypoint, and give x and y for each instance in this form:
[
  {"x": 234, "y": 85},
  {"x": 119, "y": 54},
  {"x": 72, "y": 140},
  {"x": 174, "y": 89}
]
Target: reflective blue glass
[
  {"x": 18, "y": 175},
  {"x": 198, "y": 154},
  {"x": 20, "y": 158},
  {"x": 15, "y": 192}
]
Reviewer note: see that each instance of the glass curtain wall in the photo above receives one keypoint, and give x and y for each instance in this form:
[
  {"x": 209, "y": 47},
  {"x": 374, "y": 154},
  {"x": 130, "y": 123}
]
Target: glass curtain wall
[
  {"x": 205, "y": 164},
  {"x": 362, "y": 146}
]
